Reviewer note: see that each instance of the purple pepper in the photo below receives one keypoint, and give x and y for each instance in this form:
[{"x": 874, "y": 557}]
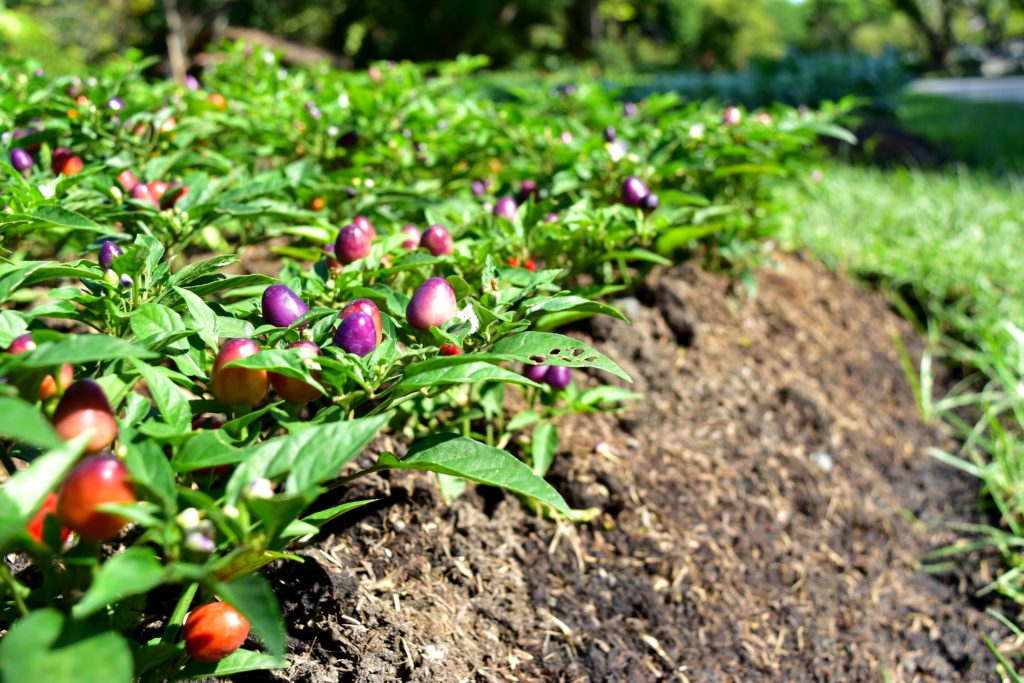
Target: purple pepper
[
  {"x": 21, "y": 160},
  {"x": 634, "y": 191},
  {"x": 115, "y": 104},
  {"x": 432, "y": 304},
  {"x": 650, "y": 202},
  {"x": 609, "y": 134},
  {"x": 506, "y": 208},
  {"x": 356, "y": 334},
  {"x": 108, "y": 252},
  {"x": 527, "y": 190},
  {"x": 437, "y": 240},
  {"x": 479, "y": 187},
  {"x": 354, "y": 242},
  {"x": 126, "y": 281},
  {"x": 629, "y": 109},
  {"x": 558, "y": 377},
  {"x": 414, "y": 236},
  {"x": 191, "y": 82},
  {"x": 535, "y": 372},
  {"x": 348, "y": 140},
  {"x": 282, "y": 306}
]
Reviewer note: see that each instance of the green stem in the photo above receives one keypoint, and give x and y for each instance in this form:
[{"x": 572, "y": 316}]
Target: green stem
[
  {"x": 343, "y": 481},
  {"x": 178, "y": 615},
  {"x": 13, "y": 585}
]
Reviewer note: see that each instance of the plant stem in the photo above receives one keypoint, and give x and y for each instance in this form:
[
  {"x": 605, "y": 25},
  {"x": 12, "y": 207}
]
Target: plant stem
[
  {"x": 342, "y": 481},
  {"x": 12, "y": 584}
]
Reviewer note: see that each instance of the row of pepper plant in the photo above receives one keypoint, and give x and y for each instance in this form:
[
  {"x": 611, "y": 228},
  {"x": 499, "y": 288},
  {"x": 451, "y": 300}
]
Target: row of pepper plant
[{"x": 174, "y": 420}]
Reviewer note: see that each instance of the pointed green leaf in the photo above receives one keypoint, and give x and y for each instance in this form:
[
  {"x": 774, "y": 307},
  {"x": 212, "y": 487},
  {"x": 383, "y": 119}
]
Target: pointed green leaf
[{"x": 460, "y": 456}]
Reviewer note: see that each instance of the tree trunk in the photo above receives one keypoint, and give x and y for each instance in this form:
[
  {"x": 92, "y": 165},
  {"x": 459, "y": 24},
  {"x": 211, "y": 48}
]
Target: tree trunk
[{"x": 176, "y": 52}]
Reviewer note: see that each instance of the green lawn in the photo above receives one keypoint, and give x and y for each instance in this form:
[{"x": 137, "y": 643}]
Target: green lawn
[
  {"x": 952, "y": 244},
  {"x": 988, "y": 135}
]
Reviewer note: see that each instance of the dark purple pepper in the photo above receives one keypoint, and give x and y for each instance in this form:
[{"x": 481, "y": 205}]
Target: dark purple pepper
[
  {"x": 535, "y": 372},
  {"x": 478, "y": 187},
  {"x": 282, "y": 306},
  {"x": 348, "y": 140},
  {"x": 634, "y": 191},
  {"x": 21, "y": 160},
  {"x": 527, "y": 190},
  {"x": 433, "y": 304},
  {"x": 506, "y": 208},
  {"x": 437, "y": 240},
  {"x": 108, "y": 252},
  {"x": 650, "y": 202},
  {"x": 558, "y": 377},
  {"x": 356, "y": 334},
  {"x": 354, "y": 242},
  {"x": 609, "y": 134},
  {"x": 126, "y": 281}
]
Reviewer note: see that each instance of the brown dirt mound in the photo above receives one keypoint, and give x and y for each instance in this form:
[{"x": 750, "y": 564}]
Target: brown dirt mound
[{"x": 764, "y": 512}]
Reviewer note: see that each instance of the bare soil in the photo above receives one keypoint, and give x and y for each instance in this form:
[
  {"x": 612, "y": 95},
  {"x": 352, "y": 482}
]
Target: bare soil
[{"x": 764, "y": 514}]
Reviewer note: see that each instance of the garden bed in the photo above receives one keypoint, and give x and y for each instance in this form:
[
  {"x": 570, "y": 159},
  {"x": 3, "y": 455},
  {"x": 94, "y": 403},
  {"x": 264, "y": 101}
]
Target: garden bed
[{"x": 764, "y": 513}]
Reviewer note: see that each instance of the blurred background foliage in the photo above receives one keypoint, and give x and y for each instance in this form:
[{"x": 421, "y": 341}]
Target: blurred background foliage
[{"x": 617, "y": 35}]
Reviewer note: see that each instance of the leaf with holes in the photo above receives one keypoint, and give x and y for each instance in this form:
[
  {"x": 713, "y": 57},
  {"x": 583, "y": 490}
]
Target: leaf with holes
[{"x": 556, "y": 349}]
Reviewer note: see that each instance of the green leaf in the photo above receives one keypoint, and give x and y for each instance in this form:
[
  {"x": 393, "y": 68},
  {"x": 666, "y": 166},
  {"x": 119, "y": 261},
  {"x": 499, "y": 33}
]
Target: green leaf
[
  {"x": 173, "y": 405},
  {"x": 285, "y": 362},
  {"x": 254, "y": 598},
  {"x": 556, "y": 349},
  {"x": 309, "y": 457},
  {"x": 606, "y": 394},
  {"x": 673, "y": 239},
  {"x": 25, "y": 492},
  {"x": 78, "y": 349},
  {"x": 156, "y": 325},
  {"x": 557, "y": 304},
  {"x": 452, "y": 488},
  {"x": 208, "y": 448},
  {"x": 460, "y": 456},
  {"x": 211, "y": 284},
  {"x": 237, "y": 662},
  {"x": 277, "y": 512},
  {"x": 44, "y": 646},
  {"x": 201, "y": 317},
  {"x": 12, "y": 325},
  {"x": 200, "y": 268},
  {"x": 65, "y": 218},
  {"x": 32, "y": 272},
  {"x": 522, "y": 419},
  {"x": 542, "y": 447},
  {"x": 322, "y": 517},
  {"x": 136, "y": 571},
  {"x": 428, "y": 374},
  {"x": 24, "y": 423},
  {"x": 149, "y": 467},
  {"x": 638, "y": 254}
]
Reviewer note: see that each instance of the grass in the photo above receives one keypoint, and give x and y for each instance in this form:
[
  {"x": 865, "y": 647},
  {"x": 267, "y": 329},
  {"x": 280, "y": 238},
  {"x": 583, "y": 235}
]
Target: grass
[
  {"x": 952, "y": 244},
  {"x": 988, "y": 135}
]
